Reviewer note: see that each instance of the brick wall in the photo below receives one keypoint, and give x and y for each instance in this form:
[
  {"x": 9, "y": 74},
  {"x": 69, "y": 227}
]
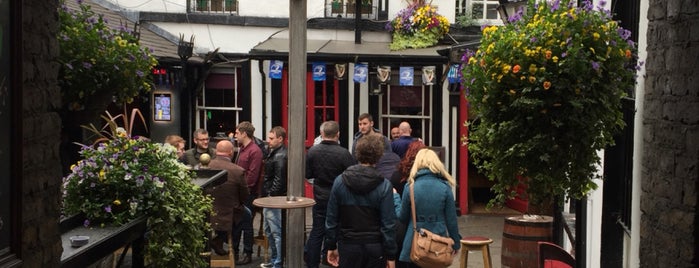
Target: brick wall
[
  {"x": 41, "y": 168},
  {"x": 670, "y": 170}
]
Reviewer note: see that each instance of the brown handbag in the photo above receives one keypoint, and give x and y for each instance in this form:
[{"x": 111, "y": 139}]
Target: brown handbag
[{"x": 429, "y": 250}]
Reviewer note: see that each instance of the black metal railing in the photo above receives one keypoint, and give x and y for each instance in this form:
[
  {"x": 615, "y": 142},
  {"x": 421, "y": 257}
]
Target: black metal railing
[
  {"x": 347, "y": 8},
  {"x": 214, "y": 6}
]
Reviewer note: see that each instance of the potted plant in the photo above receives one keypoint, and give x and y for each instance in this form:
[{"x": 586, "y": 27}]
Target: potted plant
[
  {"x": 417, "y": 26},
  {"x": 123, "y": 177},
  {"x": 546, "y": 90},
  {"x": 336, "y": 6}
]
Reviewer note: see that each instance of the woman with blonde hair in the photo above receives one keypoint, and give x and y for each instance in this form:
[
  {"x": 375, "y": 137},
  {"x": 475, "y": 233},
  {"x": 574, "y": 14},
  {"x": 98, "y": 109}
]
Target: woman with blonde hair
[{"x": 434, "y": 202}]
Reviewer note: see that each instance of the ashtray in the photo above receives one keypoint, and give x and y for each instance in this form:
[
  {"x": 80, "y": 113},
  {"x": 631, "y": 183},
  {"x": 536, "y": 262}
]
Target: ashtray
[{"x": 79, "y": 240}]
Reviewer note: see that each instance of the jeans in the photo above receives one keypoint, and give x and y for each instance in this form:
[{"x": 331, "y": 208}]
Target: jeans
[
  {"x": 273, "y": 230},
  {"x": 244, "y": 226},
  {"x": 361, "y": 255},
  {"x": 315, "y": 238}
]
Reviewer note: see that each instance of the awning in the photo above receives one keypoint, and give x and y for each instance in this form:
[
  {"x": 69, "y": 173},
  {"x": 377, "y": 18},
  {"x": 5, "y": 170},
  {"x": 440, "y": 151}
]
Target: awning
[
  {"x": 229, "y": 39},
  {"x": 336, "y": 47}
]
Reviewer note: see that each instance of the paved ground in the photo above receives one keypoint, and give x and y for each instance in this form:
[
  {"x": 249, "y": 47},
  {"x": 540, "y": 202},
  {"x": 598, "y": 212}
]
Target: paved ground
[{"x": 480, "y": 223}]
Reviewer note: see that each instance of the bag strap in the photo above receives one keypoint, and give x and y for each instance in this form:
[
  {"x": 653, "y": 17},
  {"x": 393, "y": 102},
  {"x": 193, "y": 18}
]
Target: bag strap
[{"x": 412, "y": 205}]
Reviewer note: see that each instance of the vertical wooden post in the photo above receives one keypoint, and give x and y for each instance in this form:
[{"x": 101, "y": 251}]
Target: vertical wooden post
[{"x": 295, "y": 224}]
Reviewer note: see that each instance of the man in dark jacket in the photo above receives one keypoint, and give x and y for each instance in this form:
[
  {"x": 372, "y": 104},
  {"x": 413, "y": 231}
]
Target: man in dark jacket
[
  {"x": 275, "y": 185},
  {"x": 324, "y": 162},
  {"x": 361, "y": 217},
  {"x": 229, "y": 197},
  {"x": 365, "y": 122}
]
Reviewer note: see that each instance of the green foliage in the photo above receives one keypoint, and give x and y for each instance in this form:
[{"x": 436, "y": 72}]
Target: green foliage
[
  {"x": 466, "y": 19},
  {"x": 127, "y": 177},
  {"x": 546, "y": 89},
  {"x": 417, "y": 26},
  {"x": 96, "y": 59}
]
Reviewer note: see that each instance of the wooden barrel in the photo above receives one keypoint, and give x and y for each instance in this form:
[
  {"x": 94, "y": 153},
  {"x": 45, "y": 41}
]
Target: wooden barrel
[{"x": 519, "y": 239}]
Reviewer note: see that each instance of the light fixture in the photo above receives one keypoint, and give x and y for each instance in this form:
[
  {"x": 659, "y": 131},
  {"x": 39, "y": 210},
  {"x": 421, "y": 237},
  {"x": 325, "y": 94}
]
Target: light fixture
[
  {"x": 509, "y": 8},
  {"x": 184, "y": 48}
]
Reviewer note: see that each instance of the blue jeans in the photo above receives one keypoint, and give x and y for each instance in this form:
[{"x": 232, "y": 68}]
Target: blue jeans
[
  {"x": 315, "y": 238},
  {"x": 244, "y": 227},
  {"x": 273, "y": 230}
]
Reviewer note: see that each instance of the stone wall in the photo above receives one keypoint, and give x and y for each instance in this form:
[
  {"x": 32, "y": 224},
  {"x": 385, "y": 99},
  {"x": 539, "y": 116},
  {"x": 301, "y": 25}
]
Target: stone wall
[
  {"x": 41, "y": 125},
  {"x": 670, "y": 170}
]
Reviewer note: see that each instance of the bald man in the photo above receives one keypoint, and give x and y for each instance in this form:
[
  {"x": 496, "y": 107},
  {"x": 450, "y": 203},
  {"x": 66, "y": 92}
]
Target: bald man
[
  {"x": 229, "y": 197},
  {"x": 400, "y": 145}
]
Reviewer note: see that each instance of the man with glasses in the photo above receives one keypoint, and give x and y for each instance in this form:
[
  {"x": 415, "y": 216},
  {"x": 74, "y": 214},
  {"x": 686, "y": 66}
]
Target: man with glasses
[{"x": 201, "y": 146}]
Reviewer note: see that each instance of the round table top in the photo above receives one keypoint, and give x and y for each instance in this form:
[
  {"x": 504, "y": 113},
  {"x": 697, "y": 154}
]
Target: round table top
[{"x": 282, "y": 202}]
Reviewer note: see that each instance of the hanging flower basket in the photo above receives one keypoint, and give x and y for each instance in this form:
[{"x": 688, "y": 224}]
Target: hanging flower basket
[
  {"x": 547, "y": 91},
  {"x": 417, "y": 26}
]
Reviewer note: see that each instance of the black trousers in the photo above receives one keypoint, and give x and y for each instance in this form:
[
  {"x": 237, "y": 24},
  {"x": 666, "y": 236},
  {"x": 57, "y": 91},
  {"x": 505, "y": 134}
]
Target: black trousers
[{"x": 361, "y": 255}]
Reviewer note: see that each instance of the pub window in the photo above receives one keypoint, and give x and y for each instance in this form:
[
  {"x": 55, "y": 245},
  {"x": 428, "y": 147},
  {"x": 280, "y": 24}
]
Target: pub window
[
  {"x": 218, "y": 107},
  {"x": 408, "y": 103}
]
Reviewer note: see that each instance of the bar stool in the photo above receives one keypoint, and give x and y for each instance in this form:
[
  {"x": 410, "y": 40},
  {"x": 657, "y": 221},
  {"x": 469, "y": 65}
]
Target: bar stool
[
  {"x": 476, "y": 243},
  {"x": 222, "y": 261}
]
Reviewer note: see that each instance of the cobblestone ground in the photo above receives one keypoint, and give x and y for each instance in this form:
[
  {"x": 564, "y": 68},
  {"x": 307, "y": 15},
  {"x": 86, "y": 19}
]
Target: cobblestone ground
[{"x": 479, "y": 223}]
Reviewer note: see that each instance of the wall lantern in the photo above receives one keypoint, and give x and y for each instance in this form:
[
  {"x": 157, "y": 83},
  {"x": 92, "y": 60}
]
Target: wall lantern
[
  {"x": 508, "y": 9},
  {"x": 184, "y": 48}
]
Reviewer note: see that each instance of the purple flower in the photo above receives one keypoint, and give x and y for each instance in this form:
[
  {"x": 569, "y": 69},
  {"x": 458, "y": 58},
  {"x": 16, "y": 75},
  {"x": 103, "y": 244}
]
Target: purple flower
[
  {"x": 595, "y": 65},
  {"x": 139, "y": 73},
  {"x": 555, "y": 5},
  {"x": 86, "y": 223},
  {"x": 87, "y": 65},
  {"x": 623, "y": 33},
  {"x": 108, "y": 209}
]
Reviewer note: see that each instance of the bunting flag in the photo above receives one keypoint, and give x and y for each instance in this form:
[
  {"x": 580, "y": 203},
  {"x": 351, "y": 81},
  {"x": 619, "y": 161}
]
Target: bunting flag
[
  {"x": 428, "y": 75},
  {"x": 319, "y": 71},
  {"x": 406, "y": 76},
  {"x": 360, "y": 73},
  {"x": 275, "y": 69},
  {"x": 454, "y": 74}
]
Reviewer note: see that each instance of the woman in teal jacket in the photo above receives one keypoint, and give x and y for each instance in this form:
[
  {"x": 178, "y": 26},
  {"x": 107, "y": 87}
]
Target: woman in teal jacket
[{"x": 435, "y": 208}]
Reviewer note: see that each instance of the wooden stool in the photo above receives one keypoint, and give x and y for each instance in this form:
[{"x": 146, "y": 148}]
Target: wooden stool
[
  {"x": 476, "y": 243},
  {"x": 260, "y": 240},
  {"x": 222, "y": 261}
]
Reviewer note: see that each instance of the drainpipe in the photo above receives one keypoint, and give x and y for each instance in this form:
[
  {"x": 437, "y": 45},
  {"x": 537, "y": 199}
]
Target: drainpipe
[{"x": 357, "y": 21}]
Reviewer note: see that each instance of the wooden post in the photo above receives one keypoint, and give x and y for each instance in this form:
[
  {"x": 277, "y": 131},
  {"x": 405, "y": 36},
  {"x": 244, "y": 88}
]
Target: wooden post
[{"x": 295, "y": 222}]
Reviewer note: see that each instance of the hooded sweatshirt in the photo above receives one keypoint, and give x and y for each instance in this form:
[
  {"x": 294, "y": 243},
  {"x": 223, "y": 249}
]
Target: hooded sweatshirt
[{"x": 360, "y": 210}]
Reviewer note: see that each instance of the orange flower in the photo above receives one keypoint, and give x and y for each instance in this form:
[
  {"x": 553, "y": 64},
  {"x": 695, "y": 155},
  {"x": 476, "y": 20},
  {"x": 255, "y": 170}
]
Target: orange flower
[
  {"x": 628, "y": 54},
  {"x": 516, "y": 69},
  {"x": 548, "y": 54},
  {"x": 547, "y": 85}
]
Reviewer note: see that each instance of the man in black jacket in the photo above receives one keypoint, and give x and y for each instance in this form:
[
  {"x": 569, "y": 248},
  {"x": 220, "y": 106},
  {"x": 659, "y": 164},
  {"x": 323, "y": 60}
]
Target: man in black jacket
[
  {"x": 324, "y": 162},
  {"x": 361, "y": 217},
  {"x": 275, "y": 185}
]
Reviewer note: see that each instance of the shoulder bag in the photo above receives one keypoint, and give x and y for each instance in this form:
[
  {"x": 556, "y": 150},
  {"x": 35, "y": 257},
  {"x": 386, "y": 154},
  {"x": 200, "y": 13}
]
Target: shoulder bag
[{"x": 429, "y": 250}]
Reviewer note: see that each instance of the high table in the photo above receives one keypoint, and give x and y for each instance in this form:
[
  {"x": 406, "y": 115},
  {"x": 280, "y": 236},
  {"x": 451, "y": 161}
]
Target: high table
[{"x": 286, "y": 202}]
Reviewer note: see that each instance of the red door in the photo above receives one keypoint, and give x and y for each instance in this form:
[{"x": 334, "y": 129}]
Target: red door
[{"x": 322, "y": 104}]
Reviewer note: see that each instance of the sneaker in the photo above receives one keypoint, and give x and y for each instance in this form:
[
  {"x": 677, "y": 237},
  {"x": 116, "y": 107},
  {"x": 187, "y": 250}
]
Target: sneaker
[{"x": 266, "y": 265}]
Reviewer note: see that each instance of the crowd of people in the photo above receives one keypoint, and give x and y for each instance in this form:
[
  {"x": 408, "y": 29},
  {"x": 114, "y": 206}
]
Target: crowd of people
[{"x": 361, "y": 216}]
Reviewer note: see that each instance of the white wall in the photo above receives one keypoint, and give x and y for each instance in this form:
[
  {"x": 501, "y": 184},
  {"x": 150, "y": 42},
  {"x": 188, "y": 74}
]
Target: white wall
[{"x": 272, "y": 9}]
